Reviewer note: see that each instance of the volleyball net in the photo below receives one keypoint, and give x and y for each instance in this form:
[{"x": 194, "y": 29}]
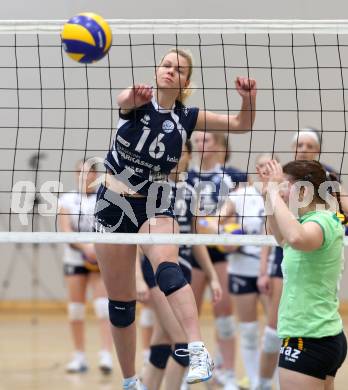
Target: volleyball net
[{"x": 55, "y": 112}]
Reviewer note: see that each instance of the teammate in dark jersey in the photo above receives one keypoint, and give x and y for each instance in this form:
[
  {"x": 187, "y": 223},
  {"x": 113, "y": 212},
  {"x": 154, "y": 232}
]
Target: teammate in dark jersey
[
  {"x": 213, "y": 181},
  {"x": 135, "y": 198},
  {"x": 168, "y": 335}
]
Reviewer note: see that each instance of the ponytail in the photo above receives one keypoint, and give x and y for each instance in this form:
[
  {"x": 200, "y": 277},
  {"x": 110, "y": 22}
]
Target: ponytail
[{"x": 333, "y": 177}]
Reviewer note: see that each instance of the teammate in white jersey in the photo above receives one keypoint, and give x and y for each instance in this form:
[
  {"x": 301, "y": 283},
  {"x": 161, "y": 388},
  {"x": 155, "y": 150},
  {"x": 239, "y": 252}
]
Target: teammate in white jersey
[
  {"x": 76, "y": 210},
  {"x": 245, "y": 207},
  {"x": 244, "y": 264}
]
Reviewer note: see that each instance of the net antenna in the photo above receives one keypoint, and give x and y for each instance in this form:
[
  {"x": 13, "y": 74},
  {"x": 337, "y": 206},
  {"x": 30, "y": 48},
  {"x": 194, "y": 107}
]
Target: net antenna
[{"x": 55, "y": 112}]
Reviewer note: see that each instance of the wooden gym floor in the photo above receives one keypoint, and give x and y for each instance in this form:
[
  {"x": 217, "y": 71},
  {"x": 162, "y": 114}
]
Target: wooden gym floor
[{"x": 34, "y": 349}]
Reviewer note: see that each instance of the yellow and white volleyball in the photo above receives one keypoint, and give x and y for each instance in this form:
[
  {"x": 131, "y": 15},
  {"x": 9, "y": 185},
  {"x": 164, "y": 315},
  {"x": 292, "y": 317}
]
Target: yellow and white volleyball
[
  {"x": 86, "y": 37},
  {"x": 230, "y": 228}
]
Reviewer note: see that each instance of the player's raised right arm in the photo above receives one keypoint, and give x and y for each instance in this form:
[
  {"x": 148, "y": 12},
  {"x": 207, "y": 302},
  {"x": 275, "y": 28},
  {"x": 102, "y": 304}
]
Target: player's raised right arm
[{"x": 133, "y": 97}]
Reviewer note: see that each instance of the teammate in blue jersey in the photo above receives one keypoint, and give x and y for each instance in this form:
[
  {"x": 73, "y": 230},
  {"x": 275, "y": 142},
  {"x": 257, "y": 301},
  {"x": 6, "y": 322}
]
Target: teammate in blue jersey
[
  {"x": 213, "y": 182},
  {"x": 153, "y": 126},
  {"x": 168, "y": 335}
]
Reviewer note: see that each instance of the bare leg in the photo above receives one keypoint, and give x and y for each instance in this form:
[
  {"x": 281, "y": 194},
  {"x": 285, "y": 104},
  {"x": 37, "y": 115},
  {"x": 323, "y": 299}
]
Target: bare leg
[
  {"x": 167, "y": 330},
  {"x": 227, "y": 346},
  {"x": 99, "y": 291},
  {"x": 153, "y": 376},
  {"x": 77, "y": 285},
  {"x": 174, "y": 375},
  {"x": 117, "y": 266},
  {"x": 198, "y": 285},
  {"x": 146, "y": 328},
  {"x": 290, "y": 380},
  {"x": 329, "y": 383},
  {"x": 269, "y": 361},
  {"x": 181, "y": 301}
]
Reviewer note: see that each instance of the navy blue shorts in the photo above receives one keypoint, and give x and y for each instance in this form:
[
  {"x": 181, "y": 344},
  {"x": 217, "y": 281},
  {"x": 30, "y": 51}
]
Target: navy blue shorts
[
  {"x": 215, "y": 255},
  {"x": 149, "y": 275},
  {"x": 70, "y": 270},
  {"x": 238, "y": 285},
  {"x": 276, "y": 267},
  {"x": 115, "y": 213}
]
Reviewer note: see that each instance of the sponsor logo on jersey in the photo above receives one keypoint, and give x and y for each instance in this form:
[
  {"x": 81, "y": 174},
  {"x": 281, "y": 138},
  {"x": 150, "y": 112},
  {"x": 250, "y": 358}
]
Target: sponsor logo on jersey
[
  {"x": 172, "y": 159},
  {"x": 186, "y": 111},
  {"x": 145, "y": 119},
  {"x": 168, "y": 126},
  {"x": 122, "y": 141}
]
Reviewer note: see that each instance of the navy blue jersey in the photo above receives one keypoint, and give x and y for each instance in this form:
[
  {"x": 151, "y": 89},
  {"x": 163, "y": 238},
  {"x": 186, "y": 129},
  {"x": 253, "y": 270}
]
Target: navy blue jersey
[
  {"x": 148, "y": 143},
  {"x": 214, "y": 186},
  {"x": 236, "y": 175}
]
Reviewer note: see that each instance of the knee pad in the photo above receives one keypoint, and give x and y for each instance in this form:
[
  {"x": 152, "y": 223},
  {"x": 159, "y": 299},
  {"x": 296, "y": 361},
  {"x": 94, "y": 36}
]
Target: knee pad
[
  {"x": 122, "y": 314},
  {"x": 271, "y": 343},
  {"x": 76, "y": 311},
  {"x": 183, "y": 360},
  {"x": 249, "y": 332},
  {"x": 170, "y": 277},
  {"x": 159, "y": 355},
  {"x": 146, "y": 317},
  {"x": 101, "y": 307},
  {"x": 225, "y": 327}
]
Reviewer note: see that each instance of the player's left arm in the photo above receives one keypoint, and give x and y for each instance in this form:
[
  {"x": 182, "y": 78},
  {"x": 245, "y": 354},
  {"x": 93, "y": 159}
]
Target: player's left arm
[{"x": 240, "y": 123}]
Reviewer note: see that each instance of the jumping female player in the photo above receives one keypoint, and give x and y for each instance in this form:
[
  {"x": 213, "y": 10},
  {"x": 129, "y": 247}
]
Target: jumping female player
[
  {"x": 135, "y": 198},
  {"x": 314, "y": 345}
]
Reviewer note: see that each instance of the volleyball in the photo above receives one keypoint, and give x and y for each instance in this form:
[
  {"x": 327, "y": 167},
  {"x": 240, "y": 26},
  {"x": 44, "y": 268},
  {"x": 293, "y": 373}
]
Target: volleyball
[
  {"x": 230, "y": 228},
  {"x": 86, "y": 38},
  {"x": 91, "y": 264}
]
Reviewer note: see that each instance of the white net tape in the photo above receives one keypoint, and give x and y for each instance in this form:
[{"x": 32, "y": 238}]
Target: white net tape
[{"x": 189, "y": 26}]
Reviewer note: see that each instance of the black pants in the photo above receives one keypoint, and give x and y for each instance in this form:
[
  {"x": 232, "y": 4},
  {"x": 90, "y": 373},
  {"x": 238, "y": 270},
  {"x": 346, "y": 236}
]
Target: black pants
[{"x": 314, "y": 357}]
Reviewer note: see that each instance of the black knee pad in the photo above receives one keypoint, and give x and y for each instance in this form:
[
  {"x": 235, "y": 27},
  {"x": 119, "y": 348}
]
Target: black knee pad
[
  {"x": 122, "y": 314},
  {"x": 159, "y": 355},
  {"x": 182, "y": 360},
  {"x": 169, "y": 277}
]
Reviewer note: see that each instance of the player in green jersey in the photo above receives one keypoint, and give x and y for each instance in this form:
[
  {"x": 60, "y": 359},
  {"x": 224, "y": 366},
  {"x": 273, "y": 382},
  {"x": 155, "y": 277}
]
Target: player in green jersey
[{"x": 314, "y": 345}]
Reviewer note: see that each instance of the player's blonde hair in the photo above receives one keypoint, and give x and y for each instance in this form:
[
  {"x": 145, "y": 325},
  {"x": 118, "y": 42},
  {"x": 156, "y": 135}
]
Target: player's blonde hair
[{"x": 186, "y": 54}]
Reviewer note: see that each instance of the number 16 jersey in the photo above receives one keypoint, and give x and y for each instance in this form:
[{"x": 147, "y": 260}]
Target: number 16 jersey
[{"x": 148, "y": 142}]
